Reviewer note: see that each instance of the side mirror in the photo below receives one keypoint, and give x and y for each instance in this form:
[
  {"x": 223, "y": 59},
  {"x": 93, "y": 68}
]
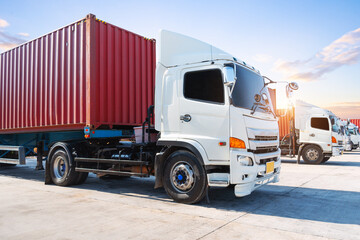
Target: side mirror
[
  {"x": 229, "y": 75},
  {"x": 293, "y": 86},
  {"x": 265, "y": 98},
  {"x": 332, "y": 121}
]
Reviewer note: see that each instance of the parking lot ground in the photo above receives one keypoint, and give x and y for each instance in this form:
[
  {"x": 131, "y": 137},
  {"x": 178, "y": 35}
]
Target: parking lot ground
[{"x": 309, "y": 202}]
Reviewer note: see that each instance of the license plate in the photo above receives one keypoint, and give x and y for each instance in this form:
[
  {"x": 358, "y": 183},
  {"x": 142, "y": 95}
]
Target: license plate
[{"x": 270, "y": 167}]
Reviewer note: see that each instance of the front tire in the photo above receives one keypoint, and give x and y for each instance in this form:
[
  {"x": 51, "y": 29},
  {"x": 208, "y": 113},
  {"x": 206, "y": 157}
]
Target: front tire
[
  {"x": 184, "y": 178},
  {"x": 325, "y": 159},
  {"x": 312, "y": 154},
  {"x": 61, "y": 171}
]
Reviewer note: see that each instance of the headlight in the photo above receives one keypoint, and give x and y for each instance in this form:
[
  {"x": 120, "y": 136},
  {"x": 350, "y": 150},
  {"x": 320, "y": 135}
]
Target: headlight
[{"x": 245, "y": 161}]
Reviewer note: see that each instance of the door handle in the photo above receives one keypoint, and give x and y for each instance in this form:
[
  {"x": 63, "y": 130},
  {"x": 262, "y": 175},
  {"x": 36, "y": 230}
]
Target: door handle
[
  {"x": 312, "y": 135},
  {"x": 185, "y": 118}
]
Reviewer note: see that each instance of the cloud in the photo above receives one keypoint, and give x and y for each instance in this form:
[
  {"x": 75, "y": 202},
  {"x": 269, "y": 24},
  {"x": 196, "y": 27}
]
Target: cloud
[
  {"x": 262, "y": 58},
  {"x": 343, "y": 51},
  {"x": 7, "y": 46},
  {"x": 8, "y": 41},
  {"x": 3, "y": 23},
  {"x": 346, "y": 110},
  {"x": 23, "y": 34}
]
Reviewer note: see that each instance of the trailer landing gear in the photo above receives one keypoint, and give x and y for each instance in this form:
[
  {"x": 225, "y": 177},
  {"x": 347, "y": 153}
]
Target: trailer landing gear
[{"x": 39, "y": 165}]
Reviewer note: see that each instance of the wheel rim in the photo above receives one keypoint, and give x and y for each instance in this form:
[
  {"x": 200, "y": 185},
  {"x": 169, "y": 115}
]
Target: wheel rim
[
  {"x": 59, "y": 167},
  {"x": 312, "y": 154},
  {"x": 182, "y": 177}
]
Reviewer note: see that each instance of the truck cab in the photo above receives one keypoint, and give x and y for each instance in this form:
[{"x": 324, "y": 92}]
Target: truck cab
[
  {"x": 211, "y": 102},
  {"x": 346, "y": 136},
  {"x": 319, "y": 134},
  {"x": 354, "y": 135}
]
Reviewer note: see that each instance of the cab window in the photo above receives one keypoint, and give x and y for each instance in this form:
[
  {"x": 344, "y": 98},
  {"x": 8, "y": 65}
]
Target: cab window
[
  {"x": 320, "y": 123},
  {"x": 205, "y": 85}
]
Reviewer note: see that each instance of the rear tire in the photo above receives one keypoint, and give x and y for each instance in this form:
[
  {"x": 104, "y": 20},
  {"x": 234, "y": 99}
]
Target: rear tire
[
  {"x": 184, "y": 178},
  {"x": 82, "y": 178},
  {"x": 60, "y": 171},
  {"x": 312, "y": 154},
  {"x": 325, "y": 159}
]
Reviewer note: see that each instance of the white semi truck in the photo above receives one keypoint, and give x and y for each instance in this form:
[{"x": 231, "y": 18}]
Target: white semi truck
[
  {"x": 347, "y": 143},
  {"x": 314, "y": 134},
  {"x": 354, "y": 135},
  {"x": 213, "y": 119}
]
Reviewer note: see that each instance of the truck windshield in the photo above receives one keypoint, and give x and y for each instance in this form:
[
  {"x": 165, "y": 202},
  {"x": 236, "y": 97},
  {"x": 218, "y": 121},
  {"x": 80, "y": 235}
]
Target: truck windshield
[
  {"x": 247, "y": 85},
  {"x": 335, "y": 126}
]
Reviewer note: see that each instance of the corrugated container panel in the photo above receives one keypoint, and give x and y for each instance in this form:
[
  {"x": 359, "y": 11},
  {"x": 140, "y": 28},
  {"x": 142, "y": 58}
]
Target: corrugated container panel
[
  {"x": 356, "y": 122},
  {"x": 87, "y": 73},
  {"x": 125, "y": 76},
  {"x": 42, "y": 82},
  {"x": 272, "y": 93},
  {"x": 284, "y": 122}
]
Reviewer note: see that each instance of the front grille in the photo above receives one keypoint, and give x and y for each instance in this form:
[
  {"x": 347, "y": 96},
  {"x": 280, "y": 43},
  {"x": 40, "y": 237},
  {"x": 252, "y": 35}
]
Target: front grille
[
  {"x": 264, "y": 138},
  {"x": 260, "y": 150},
  {"x": 264, "y": 161}
]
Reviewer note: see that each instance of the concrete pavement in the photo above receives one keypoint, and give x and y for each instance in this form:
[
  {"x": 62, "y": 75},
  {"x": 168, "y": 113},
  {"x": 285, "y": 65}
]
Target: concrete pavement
[{"x": 309, "y": 202}]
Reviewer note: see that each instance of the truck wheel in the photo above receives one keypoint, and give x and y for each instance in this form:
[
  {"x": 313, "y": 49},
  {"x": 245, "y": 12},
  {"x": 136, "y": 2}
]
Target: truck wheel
[
  {"x": 60, "y": 171},
  {"x": 184, "y": 178},
  {"x": 325, "y": 159},
  {"x": 312, "y": 154},
  {"x": 82, "y": 178}
]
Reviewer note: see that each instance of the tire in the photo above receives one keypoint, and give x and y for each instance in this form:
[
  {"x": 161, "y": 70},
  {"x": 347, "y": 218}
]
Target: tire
[
  {"x": 312, "y": 154},
  {"x": 184, "y": 178},
  {"x": 60, "y": 171},
  {"x": 325, "y": 159},
  {"x": 82, "y": 178}
]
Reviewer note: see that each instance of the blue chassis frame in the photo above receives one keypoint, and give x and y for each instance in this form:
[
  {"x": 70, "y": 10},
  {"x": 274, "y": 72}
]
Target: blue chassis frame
[{"x": 29, "y": 140}]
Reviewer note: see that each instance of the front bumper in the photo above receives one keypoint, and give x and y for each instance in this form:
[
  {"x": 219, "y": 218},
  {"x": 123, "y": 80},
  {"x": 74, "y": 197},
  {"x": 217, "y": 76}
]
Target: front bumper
[
  {"x": 337, "y": 151},
  {"x": 248, "y": 178},
  {"x": 348, "y": 147}
]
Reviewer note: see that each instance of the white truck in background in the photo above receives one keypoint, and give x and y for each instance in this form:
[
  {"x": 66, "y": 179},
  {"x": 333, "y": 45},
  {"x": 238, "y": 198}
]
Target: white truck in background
[
  {"x": 354, "y": 134},
  {"x": 348, "y": 146},
  {"x": 314, "y": 135}
]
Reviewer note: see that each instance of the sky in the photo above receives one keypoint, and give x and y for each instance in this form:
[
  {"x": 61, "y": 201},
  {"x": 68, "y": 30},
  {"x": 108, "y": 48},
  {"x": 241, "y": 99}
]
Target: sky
[{"x": 315, "y": 43}]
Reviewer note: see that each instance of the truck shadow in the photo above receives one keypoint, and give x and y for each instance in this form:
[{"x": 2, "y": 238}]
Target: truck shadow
[
  {"x": 323, "y": 205},
  {"x": 328, "y": 163},
  {"x": 333, "y": 206}
]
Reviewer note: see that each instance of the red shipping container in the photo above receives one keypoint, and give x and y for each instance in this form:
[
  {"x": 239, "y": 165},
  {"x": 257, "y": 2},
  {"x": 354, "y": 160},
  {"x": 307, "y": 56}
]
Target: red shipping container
[
  {"x": 284, "y": 122},
  {"x": 356, "y": 122},
  {"x": 89, "y": 73}
]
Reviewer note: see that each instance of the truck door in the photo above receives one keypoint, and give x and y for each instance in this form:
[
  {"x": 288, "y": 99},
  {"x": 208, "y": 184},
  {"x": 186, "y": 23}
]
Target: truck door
[
  {"x": 204, "y": 110},
  {"x": 319, "y": 131}
]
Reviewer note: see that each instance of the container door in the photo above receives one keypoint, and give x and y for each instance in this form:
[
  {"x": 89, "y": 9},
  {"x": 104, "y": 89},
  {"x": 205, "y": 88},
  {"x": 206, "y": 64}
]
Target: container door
[
  {"x": 204, "y": 110},
  {"x": 319, "y": 131}
]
